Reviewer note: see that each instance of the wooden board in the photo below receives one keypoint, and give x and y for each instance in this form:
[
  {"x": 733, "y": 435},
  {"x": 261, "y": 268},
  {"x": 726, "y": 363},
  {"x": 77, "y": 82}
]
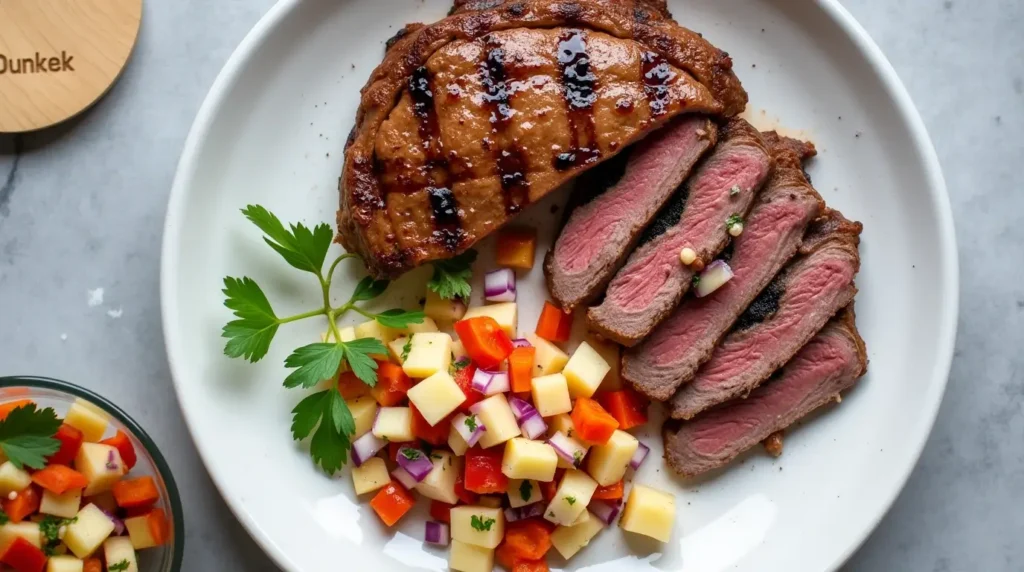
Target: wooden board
[{"x": 58, "y": 57}]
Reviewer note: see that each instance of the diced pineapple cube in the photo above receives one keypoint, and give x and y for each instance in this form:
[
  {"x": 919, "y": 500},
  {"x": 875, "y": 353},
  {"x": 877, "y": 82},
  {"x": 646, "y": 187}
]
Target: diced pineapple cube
[
  {"x": 504, "y": 313},
  {"x": 568, "y": 540},
  {"x": 551, "y": 395},
  {"x": 649, "y": 512},
  {"x": 347, "y": 333},
  {"x": 430, "y": 352},
  {"x": 436, "y": 396},
  {"x": 27, "y": 530},
  {"x": 526, "y": 459},
  {"x": 548, "y": 358},
  {"x": 468, "y": 558},
  {"x": 439, "y": 484},
  {"x": 456, "y": 443},
  {"x": 12, "y": 479},
  {"x": 571, "y": 498},
  {"x": 140, "y": 533},
  {"x": 499, "y": 420},
  {"x": 611, "y": 353},
  {"x": 478, "y": 525},
  {"x": 585, "y": 371},
  {"x": 608, "y": 463},
  {"x": 581, "y": 519},
  {"x": 64, "y": 506},
  {"x": 394, "y": 424},
  {"x": 101, "y": 464},
  {"x": 370, "y": 476},
  {"x": 119, "y": 550},
  {"x": 88, "y": 419},
  {"x": 561, "y": 423},
  {"x": 522, "y": 493},
  {"x": 399, "y": 349},
  {"x": 445, "y": 312},
  {"x": 64, "y": 564},
  {"x": 364, "y": 410},
  {"x": 427, "y": 325},
  {"x": 458, "y": 350},
  {"x": 373, "y": 329},
  {"x": 87, "y": 533}
]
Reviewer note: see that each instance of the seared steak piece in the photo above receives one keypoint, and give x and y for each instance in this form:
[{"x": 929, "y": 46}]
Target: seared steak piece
[
  {"x": 772, "y": 233},
  {"x": 469, "y": 120},
  {"x": 783, "y": 317},
  {"x": 606, "y": 222},
  {"x": 830, "y": 363},
  {"x": 654, "y": 281}
]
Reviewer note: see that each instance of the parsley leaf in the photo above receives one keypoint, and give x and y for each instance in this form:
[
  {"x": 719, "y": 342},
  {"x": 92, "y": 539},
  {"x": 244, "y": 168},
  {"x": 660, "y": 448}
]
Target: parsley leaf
[
  {"x": 525, "y": 490},
  {"x": 570, "y": 500},
  {"x": 118, "y": 566},
  {"x": 358, "y": 352},
  {"x": 250, "y": 335},
  {"x": 301, "y": 247},
  {"x": 49, "y": 527},
  {"x": 696, "y": 280},
  {"x": 577, "y": 458},
  {"x": 329, "y": 414},
  {"x": 409, "y": 453},
  {"x": 451, "y": 276},
  {"x": 26, "y": 436},
  {"x": 461, "y": 363},
  {"x": 471, "y": 423},
  {"x": 4, "y": 519},
  {"x": 480, "y": 523},
  {"x": 315, "y": 363},
  {"x": 407, "y": 348},
  {"x": 733, "y": 220},
  {"x": 399, "y": 318},
  {"x": 368, "y": 289}
]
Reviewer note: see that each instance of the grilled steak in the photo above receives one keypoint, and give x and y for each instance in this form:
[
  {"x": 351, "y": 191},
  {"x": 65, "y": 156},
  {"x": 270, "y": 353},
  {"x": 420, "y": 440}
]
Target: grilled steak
[
  {"x": 653, "y": 281},
  {"x": 772, "y": 233},
  {"x": 830, "y": 363},
  {"x": 783, "y": 317},
  {"x": 470, "y": 119},
  {"x": 605, "y": 225}
]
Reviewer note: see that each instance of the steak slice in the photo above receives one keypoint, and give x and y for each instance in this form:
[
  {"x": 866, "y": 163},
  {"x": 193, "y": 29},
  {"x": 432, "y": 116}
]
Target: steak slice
[
  {"x": 605, "y": 224},
  {"x": 830, "y": 363},
  {"x": 771, "y": 235},
  {"x": 469, "y": 120},
  {"x": 654, "y": 281},
  {"x": 783, "y": 317}
]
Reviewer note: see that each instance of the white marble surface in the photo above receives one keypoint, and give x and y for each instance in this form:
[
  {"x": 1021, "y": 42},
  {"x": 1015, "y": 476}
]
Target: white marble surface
[{"x": 82, "y": 205}]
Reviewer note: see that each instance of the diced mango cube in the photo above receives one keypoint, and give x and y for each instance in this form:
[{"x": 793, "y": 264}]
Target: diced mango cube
[
  {"x": 140, "y": 532},
  {"x": 504, "y": 313},
  {"x": 427, "y": 325},
  {"x": 478, "y": 525},
  {"x": 119, "y": 550},
  {"x": 445, "y": 312},
  {"x": 568, "y": 540},
  {"x": 436, "y": 396},
  {"x": 27, "y": 530},
  {"x": 585, "y": 371},
  {"x": 88, "y": 532},
  {"x": 548, "y": 358},
  {"x": 399, "y": 349},
  {"x": 499, "y": 420},
  {"x": 526, "y": 459},
  {"x": 571, "y": 498},
  {"x": 64, "y": 564},
  {"x": 429, "y": 353},
  {"x": 439, "y": 484},
  {"x": 364, "y": 410},
  {"x": 66, "y": 505},
  {"x": 370, "y": 476},
  {"x": 551, "y": 395},
  {"x": 394, "y": 424},
  {"x": 456, "y": 443},
  {"x": 523, "y": 492},
  {"x": 463, "y": 557},
  {"x": 611, "y": 353},
  {"x": 13, "y": 479},
  {"x": 607, "y": 463},
  {"x": 87, "y": 418},
  {"x": 101, "y": 464},
  {"x": 516, "y": 247},
  {"x": 649, "y": 512}
]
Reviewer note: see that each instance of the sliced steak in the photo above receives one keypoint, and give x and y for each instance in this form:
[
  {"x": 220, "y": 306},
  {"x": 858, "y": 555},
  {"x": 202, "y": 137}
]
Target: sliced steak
[
  {"x": 772, "y": 233},
  {"x": 830, "y": 363},
  {"x": 601, "y": 231},
  {"x": 654, "y": 281},
  {"x": 790, "y": 310}
]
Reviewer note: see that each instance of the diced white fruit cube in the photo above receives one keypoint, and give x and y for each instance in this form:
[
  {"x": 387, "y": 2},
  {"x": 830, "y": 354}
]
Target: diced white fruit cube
[
  {"x": 140, "y": 533},
  {"x": 468, "y": 558},
  {"x": 364, "y": 410},
  {"x": 478, "y": 525},
  {"x": 499, "y": 420},
  {"x": 581, "y": 519},
  {"x": 101, "y": 464},
  {"x": 571, "y": 498},
  {"x": 119, "y": 550},
  {"x": 551, "y": 395},
  {"x": 445, "y": 312},
  {"x": 370, "y": 476},
  {"x": 548, "y": 358},
  {"x": 87, "y": 418},
  {"x": 427, "y": 325},
  {"x": 394, "y": 424},
  {"x": 608, "y": 463},
  {"x": 13, "y": 479},
  {"x": 523, "y": 492},
  {"x": 439, "y": 484},
  {"x": 430, "y": 353},
  {"x": 456, "y": 443},
  {"x": 436, "y": 396},
  {"x": 649, "y": 512},
  {"x": 568, "y": 540},
  {"x": 526, "y": 459},
  {"x": 27, "y": 530},
  {"x": 373, "y": 329},
  {"x": 561, "y": 423},
  {"x": 399, "y": 349},
  {"x": 64, "y": 506},
  {"x": 64, "y": 564},
  {"x": 347, "y": 334},
  {"x": 87, "y": 533},
  {"x": 585, "y": 371},
  {"x": 610, "y": 352},
  {"x": 505, "y": 314}
]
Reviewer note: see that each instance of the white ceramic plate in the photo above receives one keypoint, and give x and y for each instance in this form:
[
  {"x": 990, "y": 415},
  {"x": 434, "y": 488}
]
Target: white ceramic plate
[{"x": 272, "y": 132}]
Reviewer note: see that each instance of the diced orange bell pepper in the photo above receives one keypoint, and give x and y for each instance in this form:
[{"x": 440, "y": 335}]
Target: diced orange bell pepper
[
  {"x": 92, "y": 565},
  {"x": 136, "y": 493},
  {"x": 484, "y": 340},
  {"x": 6, "y": 408},
  {"x": 531, "y": 566},
  {"x": 592, "y": 423},
  {"x": 554, "y": 325},
  {"x": 24, "y": 556},
  {"x": 59, "y": 479},
  {"x": 440, "y": 511},
  {"x": 70, "y": 441},
  {"x": 626, "y": 406},
  {"x": 516, "y": 247},
  {"x": 392, "y": 502},
  {"x": 464, "y": 379},
  {"x": 520, "y": 368},
  {"x": 159, "y": 526},
  {"x": 465, "y": 496},
  {"x": 351, "y": 387},
  {"x": 483, "y": 471},
  {"x": 611, "y": 492},
  {"x": 527, "y": 539},
  {"x": 124, "y": 446},
  {"x": 24, "y": 505},
  {"x": 436, "y": 435},
  {"x": 392, "y": 384}
]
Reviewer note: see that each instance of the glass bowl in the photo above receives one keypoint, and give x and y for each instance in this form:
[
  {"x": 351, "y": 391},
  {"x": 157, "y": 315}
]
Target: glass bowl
[{"x": 60, "y": 395}]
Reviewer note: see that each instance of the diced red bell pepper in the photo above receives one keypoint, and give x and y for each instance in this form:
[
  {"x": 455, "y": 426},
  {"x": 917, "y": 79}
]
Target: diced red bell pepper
[
  {"x": 520, "y": 368},
  {"x": 92, "y": 565},
  {"x": 70, "y": 442},
  {"x": 351, "y": 387},
  {"x": 483, "y": 471},
  {"x": 124, "y": 446},
  {"x": 549, "y": 488},
  {"x": 23, "y": 505},
  {"x": 23, "y": 556},
  {"x": 484, "y": 340},
  {"x": 610, "y": 492},
  {"x": 625, "y": 405},
  {"x": 436, "y": 435},
  {"x": 465, "y": 496},
  {"x": 59, "y": 479},
  {"x": 440, "y": 511},
  {"x": 159, "y": 526},
  {"x": 136, "y": 493},
  {"x": 392, "y": 502},
  {"x": 392, "y": 384},
  {"x": 554, "y": 325},
  {"x": 464, "y": 379}
]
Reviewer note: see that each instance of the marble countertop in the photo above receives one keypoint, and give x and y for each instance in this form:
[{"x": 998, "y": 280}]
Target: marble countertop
[{"x": 82, "y": 207}]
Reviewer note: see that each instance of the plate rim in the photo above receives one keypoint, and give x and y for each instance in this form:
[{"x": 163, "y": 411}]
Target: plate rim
[{"x": 215, "y": 99}]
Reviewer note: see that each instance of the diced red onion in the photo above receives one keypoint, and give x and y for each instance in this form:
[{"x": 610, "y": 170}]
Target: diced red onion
[
  {"x": 111, "y": 463},
  {"x": 481, "y": 379},
  {"x": 534, "y": 426},
  {"x": 521, "y": 343},
  {"x": 118, "y": 523},
  {"x": 639, "y": 456},
  {"x": 499, "y": 383},
  {"x": 471, "y": 437},
  {"x": 500, "y": 285},
  {"x": 714, "y": 277},
  {"x": 567, "y": 448},
  {"x": 403, "y": 476},
  {"x": 520, "y": 407},
  {"x": 437, "y": 533},
  {"x": 415, "y": 462},
  {"x": 605, "y": 511},
  {"x": 529, "y": 511},
  {"x": 365, "y": 447}
]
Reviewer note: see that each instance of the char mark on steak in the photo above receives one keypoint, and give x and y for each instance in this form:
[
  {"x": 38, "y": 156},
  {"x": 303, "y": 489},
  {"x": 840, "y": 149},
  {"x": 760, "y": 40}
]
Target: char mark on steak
[
  {"x": 600, "y": 232},
  {"x": 773, "y": 230},
  {"x": 829, "y": 364},
  {"x": 653, "y": 280},
  {"x": 815, "y": 285}
]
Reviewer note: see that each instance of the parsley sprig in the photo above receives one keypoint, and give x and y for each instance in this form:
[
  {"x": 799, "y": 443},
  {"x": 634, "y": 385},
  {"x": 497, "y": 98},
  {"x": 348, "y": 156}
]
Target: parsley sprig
[
  {"x": 119, "y": 566},
  {"x": 27, "y": 436},
  {"x": 451, "y": 276}
]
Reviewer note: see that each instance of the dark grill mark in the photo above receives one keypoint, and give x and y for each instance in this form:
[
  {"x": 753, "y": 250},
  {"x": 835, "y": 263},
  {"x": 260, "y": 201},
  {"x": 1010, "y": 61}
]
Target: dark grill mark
[
  {"x": 493, "y": 77},
  {"x": 510, "y": 161},
  {"x": 763, "y": 307},
  {"x": 442, "y": 200},
  {"x": 578, "y": 82},
  {"x": 512, "y": 169},
  {"x": 446, "y": 216},
  {"x": 657, "y": 77},
  {"x": 422, "y": 91},
  {"x": 668, "y": 217}
]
